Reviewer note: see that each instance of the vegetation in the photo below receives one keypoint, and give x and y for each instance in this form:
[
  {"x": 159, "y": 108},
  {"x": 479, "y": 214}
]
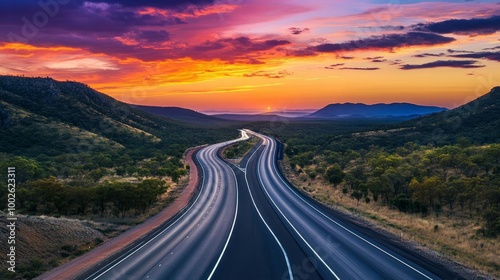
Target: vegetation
[
  {"x": 443, "y": 169},
  {"x": 82, "y": 154},
  {"x": 239, "y": 149},
  {"x": 69, "y": 141}
]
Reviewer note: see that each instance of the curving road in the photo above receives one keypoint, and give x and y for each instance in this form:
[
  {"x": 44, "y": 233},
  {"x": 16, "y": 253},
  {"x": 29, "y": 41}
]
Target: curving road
[
  {"x": 191, "y": 246},
  {"x": 247, "y": 222},
  {"x": 337, "y": 249}
]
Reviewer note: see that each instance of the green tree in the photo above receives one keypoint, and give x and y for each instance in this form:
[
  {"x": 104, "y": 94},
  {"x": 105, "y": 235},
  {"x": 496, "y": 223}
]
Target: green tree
[{"x": 334, "y": 174}]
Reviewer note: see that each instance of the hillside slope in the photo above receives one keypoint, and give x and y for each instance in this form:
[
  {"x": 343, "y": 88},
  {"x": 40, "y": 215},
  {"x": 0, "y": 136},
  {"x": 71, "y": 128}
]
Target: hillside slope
[
  {"x": 44, "y": 116},
  {"x": 478, "y": 120},
  {"x": 182, "y": 115}
]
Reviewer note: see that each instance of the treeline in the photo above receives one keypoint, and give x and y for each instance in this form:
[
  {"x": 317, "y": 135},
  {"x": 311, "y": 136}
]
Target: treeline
[
  {"x": 88, "y": 168},
  {"x": 50, "y": 196},
  {"x": 414, "y": 178}
]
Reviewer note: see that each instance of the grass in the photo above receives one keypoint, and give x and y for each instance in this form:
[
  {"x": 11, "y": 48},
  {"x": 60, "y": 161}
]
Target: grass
[
  {"x": 454, "y": 235},
  {"x": 239, "y": 150}
]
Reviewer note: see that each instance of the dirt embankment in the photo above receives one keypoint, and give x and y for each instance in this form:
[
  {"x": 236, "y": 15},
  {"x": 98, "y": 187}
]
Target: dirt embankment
[{"x": 59, "y": 240}]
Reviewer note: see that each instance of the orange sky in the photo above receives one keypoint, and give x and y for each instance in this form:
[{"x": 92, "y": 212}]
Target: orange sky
[{"x": 260, "y": 54}]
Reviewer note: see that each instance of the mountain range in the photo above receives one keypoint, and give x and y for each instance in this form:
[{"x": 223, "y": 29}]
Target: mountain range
[
  {"x": 45, "y": 116},
  {"x": 359, "y": 110}
]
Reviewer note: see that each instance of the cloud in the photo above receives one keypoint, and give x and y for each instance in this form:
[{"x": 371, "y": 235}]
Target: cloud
[
  {"x": 495, "y": 56},
  {"x": 360, "y": 68},
  {"x": 492, "y": 48},
  {"x": 475, "y": 26},
  {"x": 429, "y": 55},
  {"x": 151, "y": 36},
  {"x": 345, "y": 57},
  {"x": 271, "y": 75},
  {"x": 443, "y": 63},
  {"x": 158, "y": 3},
  {"x": 297, "y": 31},
  {"x": 386, "y": 42},
  {"x": 333, "y": 66}
]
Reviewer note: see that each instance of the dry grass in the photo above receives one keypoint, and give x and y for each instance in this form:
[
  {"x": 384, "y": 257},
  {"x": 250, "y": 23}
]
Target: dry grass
[{"x": 453, "y": 235}]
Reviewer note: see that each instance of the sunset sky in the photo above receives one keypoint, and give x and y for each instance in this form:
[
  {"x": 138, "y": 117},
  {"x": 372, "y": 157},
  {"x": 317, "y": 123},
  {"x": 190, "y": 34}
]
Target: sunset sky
[{"x": 258, "y": 55}]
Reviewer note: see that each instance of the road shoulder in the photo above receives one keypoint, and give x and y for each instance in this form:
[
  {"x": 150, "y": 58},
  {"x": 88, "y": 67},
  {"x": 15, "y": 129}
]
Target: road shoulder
[{"x": 82, "y": 264}]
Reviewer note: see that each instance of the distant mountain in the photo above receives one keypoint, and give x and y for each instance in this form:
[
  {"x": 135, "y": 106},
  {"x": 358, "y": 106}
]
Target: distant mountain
[
  {"x": 42, "y": 116},
  {"x": 251, "y": 118},
  {"x": 183, "y": 115},
  {"x": 359, "y": 110}
]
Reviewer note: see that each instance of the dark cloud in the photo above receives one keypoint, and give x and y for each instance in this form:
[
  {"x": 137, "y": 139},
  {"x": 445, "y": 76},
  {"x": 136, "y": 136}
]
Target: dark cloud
[
  {"x": 475, "y": 26},
  {"x": 495, "y": 56},
  {"x": 271, "y": 75},
  {"x": 443, "y": 63},
  {"x": 159, "y": 3},
  {"x": 360, "y": 68},
  {"x": 386, "y": 42},
  {"x": 372, "y": 58},
  {"x": 429, "y": 55},
  {"x": 151, "y": 36},
  {"x": 297, "y": 31},
  {"x": 345, "y": 57},
  {"x": 492, "y": 48},
  {"x": 395, "y": 62},
  {"x": 458, "y": 51},
  {"x": 241, "y": 44},
  {"x": 333, "y": 66},
  {"x": 392, "y": 28}
]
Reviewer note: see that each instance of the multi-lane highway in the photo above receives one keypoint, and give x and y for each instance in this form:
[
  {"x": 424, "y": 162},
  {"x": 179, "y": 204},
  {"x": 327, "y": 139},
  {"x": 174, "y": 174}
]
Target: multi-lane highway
[
  {"x": 191, "y": 246},
  {"x": 247, "y": 222}
]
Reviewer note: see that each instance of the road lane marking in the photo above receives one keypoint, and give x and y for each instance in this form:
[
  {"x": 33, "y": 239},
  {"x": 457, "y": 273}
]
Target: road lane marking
[
  {"x": 310, "y": 247},
  {"x": 154, "y": 237},
  {"x": 232, "y": 227},
  {"x": 338, "y": 224},
  {"x": 262, "y": 218}
]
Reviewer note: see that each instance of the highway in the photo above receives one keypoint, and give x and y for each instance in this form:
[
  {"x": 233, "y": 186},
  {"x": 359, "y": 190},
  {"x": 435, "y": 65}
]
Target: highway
[
  {"x": 338, "y": 250},
  {"x": 191, "y": 246},
  {"x": 247, "y": 222}
]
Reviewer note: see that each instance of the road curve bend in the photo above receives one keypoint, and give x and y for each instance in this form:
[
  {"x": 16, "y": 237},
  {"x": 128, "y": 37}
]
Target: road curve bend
[
  {"x": 340, "y": 251},
  {"x": 191, "y": 246}
]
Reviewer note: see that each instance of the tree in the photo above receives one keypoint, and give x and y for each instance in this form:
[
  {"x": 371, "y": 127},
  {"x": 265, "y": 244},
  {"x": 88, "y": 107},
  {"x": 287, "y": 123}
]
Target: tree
[
  {"x": 335, "y": 174},
  {"x": 426, "y": 192}
]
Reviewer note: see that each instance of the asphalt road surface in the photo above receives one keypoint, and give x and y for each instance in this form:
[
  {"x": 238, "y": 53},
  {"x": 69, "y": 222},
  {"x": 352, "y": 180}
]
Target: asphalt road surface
[{"x": 247, "y": 222}]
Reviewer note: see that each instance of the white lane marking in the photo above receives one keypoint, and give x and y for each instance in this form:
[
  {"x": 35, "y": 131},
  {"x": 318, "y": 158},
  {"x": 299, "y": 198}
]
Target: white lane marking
[
  {"x": 232, "y": 228},
  {"x": 353, "y": 233},
  {"x": 154, "y": 237},
  {"x": 243, "y": 137},
  {"x": 262, "y": 218},
  {"x": 310, "y": 247}
]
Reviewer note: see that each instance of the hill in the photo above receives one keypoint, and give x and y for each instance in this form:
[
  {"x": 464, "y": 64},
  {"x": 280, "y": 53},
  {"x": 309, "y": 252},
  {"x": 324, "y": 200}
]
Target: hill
[
  {"x": 359, "y": 110},
  {"x": 182, "y": 115},
  {"x": 41, "y": 116},
  {"x": 478, "y": 120}
]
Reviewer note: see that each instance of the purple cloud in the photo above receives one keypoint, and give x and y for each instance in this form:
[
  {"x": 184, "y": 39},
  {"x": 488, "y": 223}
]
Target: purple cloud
[
  {"x": 475, "y": 26},
  {"x": 297, "y": 31},
  {"x": 495, "y": 56},
  {"x": 443, "y": 63},
  {"x": 386, "y": 42}
]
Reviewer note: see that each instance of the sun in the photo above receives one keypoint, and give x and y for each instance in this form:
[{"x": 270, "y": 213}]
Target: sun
[{"x": 269, "y": 108}]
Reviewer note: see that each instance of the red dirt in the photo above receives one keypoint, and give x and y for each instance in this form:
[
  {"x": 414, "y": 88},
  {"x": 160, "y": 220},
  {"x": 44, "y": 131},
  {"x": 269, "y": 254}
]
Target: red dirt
[{"x": 77, "y": 266}]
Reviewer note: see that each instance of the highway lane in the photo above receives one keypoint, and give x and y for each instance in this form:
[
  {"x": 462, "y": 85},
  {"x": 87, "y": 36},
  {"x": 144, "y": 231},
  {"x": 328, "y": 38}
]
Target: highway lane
[
  {"x": 190, "y": 247},
  {"x": 261, "y": 246},
  {"x": 340, "y": 251}
]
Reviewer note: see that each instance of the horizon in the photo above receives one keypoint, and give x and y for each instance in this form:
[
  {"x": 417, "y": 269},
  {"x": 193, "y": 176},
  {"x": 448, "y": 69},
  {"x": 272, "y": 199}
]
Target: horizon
[{"x": 215, "y": 55}]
